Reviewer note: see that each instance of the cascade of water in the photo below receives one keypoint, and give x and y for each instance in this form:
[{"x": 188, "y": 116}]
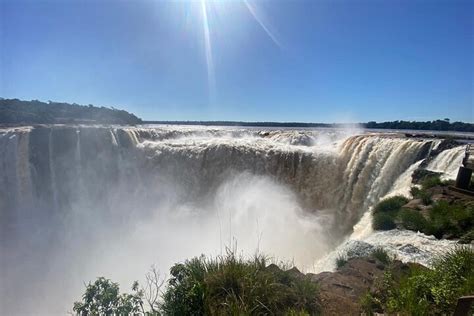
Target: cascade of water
[
  {"x": 448, "y": 162},
  {"x": 127, "y": 190}
]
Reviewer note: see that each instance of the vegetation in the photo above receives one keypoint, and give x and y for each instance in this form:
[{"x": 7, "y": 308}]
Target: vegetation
[
  {"x": 382, "y": 221},
  {"x": 454, "y": 219},
  {"x": 413, "y": 220},
  {"x": 103, "y": 298},
  {"x": 230, "y": 285},
  {"x": 423, "y": 291},
  {"x": 385, "y": 212},
  {"x": 391, "y": 205},
  {"x": 442, "y": 218},
  {"x": 437, "y": 125},
  {"x": 421, "y": 194},
  {"x": 381, "y": 255},
  {"x": 226, "y": 285},
  {"x": 378, "y": 253},
  {"x": 341, "y": 261},
  {"x": 14, "y": 111}
]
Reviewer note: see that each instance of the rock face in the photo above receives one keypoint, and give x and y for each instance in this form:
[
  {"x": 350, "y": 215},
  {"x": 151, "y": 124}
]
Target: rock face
[{"x": 340, "y": 291}]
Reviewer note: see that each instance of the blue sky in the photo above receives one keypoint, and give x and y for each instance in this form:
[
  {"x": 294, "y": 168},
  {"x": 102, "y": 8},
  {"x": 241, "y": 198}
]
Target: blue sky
[{"x": 324, "y": 61}]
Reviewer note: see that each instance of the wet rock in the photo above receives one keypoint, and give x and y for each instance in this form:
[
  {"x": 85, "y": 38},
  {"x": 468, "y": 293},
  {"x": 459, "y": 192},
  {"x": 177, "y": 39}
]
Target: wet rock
[
  {"x": 409, "y": 248},
  {"x": 415, "y": 204},
  {"x": 420, "y": 174}
]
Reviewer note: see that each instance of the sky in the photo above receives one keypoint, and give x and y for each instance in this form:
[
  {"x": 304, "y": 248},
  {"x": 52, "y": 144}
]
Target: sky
[{"x": 268, "y": 60}]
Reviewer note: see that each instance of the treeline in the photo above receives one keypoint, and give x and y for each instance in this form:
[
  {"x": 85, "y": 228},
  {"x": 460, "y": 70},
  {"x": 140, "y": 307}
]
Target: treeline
[
  {"x": 437, "y": 125},
  {"x": 14, "y": 111},
  {"x": 250, "y": 124}
]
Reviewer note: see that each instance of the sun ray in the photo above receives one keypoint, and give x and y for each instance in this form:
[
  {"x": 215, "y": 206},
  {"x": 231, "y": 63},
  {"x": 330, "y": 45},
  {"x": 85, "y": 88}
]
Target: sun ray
[
  {"x": 254, "y": 12},
  {"x": 208, "y": 49}
]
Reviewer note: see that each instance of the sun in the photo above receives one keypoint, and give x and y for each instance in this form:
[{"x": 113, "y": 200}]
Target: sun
[{"x": 254, "y": 12}]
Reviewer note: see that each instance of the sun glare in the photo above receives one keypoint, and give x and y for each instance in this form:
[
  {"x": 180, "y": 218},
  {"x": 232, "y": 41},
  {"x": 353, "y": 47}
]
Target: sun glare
[{"x": 205, "y": 6}]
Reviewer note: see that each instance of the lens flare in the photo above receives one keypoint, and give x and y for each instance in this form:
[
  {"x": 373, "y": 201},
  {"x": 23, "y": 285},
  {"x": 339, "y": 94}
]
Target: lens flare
[
  {"x": 208, "y": 49},
  {"x": 256, "y": 15}
]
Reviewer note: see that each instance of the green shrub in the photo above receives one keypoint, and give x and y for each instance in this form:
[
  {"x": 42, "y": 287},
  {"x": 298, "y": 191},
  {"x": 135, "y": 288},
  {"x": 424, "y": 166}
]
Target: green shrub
[
  {"x": 341, "y": 261},
  {"x": 422, "y": 194},
  {"x": 381, "y": 255},
  {"x": 103, "y": 298},
  {"x": 415, "y": 192},
  {"x": 450, "y": 219},
  {"x": 453, "y": 277},
  {"x": 370, "y": 304},
  {"x": 230, "y": 285},
  {"x": 431, "y": 181},
  {"x": 413, "y": 220},
  {"x": 185, "y": 293},
  {"x": 391, "y": 205},
  {"x": 383, "y": 221},
  {"x": 428, "y": 291},
  {"x": 467, "y": 237}
]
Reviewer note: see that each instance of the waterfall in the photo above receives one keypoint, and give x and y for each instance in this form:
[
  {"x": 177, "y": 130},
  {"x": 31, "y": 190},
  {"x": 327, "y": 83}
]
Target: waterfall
[
  {"x": 345, "y": 175},
  {"x": 448, "y": 162},
  {"x": 147, "y": 194}
]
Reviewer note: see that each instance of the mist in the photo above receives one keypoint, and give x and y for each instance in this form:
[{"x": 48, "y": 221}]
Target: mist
[
  {"x": 252, "y": 214},
  {"x": 89, "y": 202}
]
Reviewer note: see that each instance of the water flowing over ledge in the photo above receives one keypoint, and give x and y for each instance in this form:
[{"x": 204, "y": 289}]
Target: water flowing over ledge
[{"x": 162, "y": 194}]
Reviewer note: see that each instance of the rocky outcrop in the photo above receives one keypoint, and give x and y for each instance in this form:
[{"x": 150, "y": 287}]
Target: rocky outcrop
[{"x": 340, "y": 292}]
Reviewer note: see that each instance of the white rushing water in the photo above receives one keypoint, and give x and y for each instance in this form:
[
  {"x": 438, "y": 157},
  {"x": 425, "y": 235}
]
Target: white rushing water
[
  {"x": 448, "y": 162},
  {"x": 405, "y": 245},
  {"x": 82, "y": 202}
]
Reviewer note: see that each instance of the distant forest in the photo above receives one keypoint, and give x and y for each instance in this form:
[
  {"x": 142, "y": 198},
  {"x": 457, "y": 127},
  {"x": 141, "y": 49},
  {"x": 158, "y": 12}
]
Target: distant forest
[
  {"x": 14, "y": 111},
  {"x": 437, "y": 125}
]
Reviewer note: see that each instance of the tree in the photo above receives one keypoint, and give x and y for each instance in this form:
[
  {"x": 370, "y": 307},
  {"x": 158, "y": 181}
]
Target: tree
[{"x": 103, "y": 298}]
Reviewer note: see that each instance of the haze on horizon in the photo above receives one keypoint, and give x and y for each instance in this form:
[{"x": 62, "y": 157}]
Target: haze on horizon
[{"x": 310, "y": 61}]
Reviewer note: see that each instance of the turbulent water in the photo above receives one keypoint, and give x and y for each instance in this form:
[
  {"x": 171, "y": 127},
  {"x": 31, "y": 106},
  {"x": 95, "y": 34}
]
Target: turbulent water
[
  {"x": 79, "y": 202},
  {"x": 448, "y": 162}
]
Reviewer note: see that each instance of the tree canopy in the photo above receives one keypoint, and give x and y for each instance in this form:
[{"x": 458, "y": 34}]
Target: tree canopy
[{"x": 14, "y": 111}]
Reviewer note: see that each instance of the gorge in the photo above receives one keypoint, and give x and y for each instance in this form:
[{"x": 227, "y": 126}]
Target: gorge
[{"x": 82, "y": 201}]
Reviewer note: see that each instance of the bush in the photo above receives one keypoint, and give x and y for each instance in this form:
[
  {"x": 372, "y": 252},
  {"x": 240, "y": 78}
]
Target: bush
[
  {"x": 370, "y": 304},
  {"x": 382, "y": 221},
  {"x": 391, "y": 205},
  {"x": 451, "y": 219},
  {"x": 427, "y": 291},
  {"x": 341, "y": 261},
  {"x": 422, "y": 194},
  {"x": 430, "y": 182},
  {"x": 381, "y": 255},
  {"x": 413, "y": 220},
  {"x": 467, "y": 237},
  {"x": 103, "y": 298},
  {"x": 231, "y": 285}
]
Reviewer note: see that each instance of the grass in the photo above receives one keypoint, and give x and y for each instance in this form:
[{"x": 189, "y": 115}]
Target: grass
[
  {"x": 430, "y": 182},
  {"x": 422, "y": 194},
  {"x": 231, "y": 285},
  {"x": 391, "y": 205},
  {"x": 381, "y": 255},
  {"x": 382, "y": 221},
  {"x": 425, "y": 291},
  {"x": 467, "y": 237},
  {"x": 341, "y": 261},
  {"x": 413, "y": 220},
  {"x": 442, "y": 219},
  {"x": 385, "y": 212},
  {"x": 453, "y": 220}
]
